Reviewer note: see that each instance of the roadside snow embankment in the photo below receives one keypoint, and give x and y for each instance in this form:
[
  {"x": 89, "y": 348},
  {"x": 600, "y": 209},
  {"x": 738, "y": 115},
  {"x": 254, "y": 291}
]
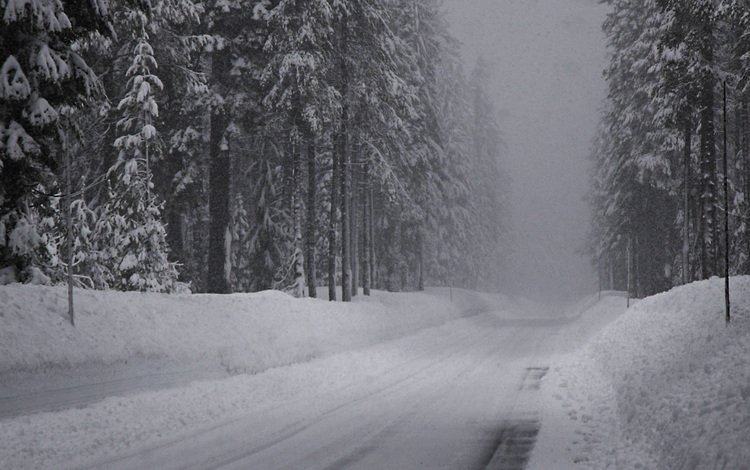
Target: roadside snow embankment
[
  {"x": 238, "y": 332},
  {"x": 99, "y": 412},
  {"x": 666, "y": 385}
]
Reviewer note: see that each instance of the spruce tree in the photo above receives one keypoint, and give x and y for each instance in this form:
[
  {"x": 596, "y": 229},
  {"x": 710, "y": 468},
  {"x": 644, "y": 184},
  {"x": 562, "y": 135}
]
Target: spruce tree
[
  {"x": 41, "y": 75},
  {"x": 129, "y": 228},
  {"x": 300, "y": 49}
]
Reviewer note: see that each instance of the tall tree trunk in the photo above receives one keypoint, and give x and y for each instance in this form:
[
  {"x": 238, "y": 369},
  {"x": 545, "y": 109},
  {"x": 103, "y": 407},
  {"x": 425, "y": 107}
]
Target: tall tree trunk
[
  {"x": 745, "y": 149},
  {"x": 366, "y": 201},
  {"x": 344, "y": 162},
  {"x": 312, "y": 280},
  {"x": 220, "y": 170},
  {"x": 174, "y": 213},
  {"x": 629, "y": 262},
  {"x": 175, "y": 230},
  {"x": 725, "y": 170},
  {"x": 374, "y": 282},
  {"x": 420, "y": 260},
  {"x": 736, "y": 148},
  {"x": 69, "y": 222},
  {"x": 299, "y": 258},
  {"x": 745, "y": 158},
  {"x": 709, "y": 252},
  {"x": 346, "y": 268},
  {"x": 354, "y": 221},
  {"x": 637, "y": 268},
  {"x": 686, "y": 200},
  {"x": 391, "y": 245},
  {"x": 296, "y": 142},
  {"x": 332, "y": 248},
  {"x": 403, "y": 266},
  {"x": 599, "y": 274}
]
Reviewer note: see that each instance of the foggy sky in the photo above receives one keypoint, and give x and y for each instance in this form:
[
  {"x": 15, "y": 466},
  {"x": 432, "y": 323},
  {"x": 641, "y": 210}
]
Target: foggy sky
[{"x": 547, "y": 58}]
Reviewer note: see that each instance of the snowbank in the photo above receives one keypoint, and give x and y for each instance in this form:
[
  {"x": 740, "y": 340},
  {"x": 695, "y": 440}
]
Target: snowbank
[
  {"x": 238, "y": 332},
  {"x": 118, "y": 335},
  {"x": 666, "y": 385}
]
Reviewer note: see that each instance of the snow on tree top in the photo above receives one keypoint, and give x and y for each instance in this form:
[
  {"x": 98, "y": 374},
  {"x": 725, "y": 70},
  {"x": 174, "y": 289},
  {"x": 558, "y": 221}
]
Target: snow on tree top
[{"x": 13, "y": 82}]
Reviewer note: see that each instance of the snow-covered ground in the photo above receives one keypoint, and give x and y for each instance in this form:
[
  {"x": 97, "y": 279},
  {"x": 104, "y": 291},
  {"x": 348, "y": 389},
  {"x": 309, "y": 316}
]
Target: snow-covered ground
[
  {"x": 664, "y": 386},
  {"x": 127, "y": 345},
  {"x": 321, "y": 375},
  {"x": 248, "y": 332},
  {"x": 126, "y": 336},
  {"x": 394, "y": 381}
]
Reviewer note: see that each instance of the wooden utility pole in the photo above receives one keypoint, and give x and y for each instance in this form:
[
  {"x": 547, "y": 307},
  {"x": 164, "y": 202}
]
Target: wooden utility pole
[{"x": 726, "y": 215}]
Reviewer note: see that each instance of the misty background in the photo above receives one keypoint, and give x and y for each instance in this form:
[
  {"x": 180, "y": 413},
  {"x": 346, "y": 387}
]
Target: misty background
[{"x": 546, "y": 59}]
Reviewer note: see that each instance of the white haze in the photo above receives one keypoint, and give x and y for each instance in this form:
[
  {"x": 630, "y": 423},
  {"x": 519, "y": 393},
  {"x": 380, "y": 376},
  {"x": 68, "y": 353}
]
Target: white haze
[{"x": 547, "y": 58}]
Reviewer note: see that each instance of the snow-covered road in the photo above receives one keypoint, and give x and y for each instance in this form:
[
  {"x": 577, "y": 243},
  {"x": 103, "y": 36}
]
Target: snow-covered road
[
  {"x": 460, "y": 395},
  {"x": 62, "y": 389},
  {"x": 662, "y": 386},
  {"x": 438, "y": 399}
]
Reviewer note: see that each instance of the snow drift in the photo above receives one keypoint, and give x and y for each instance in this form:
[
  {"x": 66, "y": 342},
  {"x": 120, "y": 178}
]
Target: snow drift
[
  {"x": 118, "y": 335},
  {"x": 666, "y": 385},
  {"x": 238, "y": 332}
]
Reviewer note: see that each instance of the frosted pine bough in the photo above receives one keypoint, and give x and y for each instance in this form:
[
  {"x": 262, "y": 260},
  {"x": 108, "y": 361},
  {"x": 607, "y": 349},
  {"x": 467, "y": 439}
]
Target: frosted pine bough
[{"x": 41, "y": 75}]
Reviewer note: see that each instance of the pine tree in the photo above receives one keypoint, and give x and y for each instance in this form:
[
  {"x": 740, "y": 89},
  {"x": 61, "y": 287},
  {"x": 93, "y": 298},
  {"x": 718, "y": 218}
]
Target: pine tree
[
  {"x": 129, "y": 226},
  {"x": 237, "y": 59},
  {"x": 180, "y": 173},
  {"x": 40, "y": 75},
  {"x": 300, "y": 43},
  {"x": 655, "y": 192},
  {"x": 378, "y": 100}
]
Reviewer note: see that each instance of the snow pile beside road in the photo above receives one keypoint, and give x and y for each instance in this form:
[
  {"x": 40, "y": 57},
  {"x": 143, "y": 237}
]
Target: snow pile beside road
[
  {"x": 682, "y": 378},
  {"x": 260, "y": 331},
  {"x": 666, "y": 385},
  {"x": 238, "y": 332}
]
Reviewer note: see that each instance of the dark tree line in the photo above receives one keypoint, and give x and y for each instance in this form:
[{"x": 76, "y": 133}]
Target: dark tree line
[
  {"x": 244, "y": 145},
  {"x": 657, "y": 196}
]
